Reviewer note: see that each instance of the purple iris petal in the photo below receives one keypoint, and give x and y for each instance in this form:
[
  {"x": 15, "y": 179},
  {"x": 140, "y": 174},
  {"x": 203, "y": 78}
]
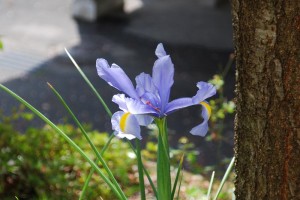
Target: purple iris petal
[
  {"x": 131, "y": 105},
  {"x": 151, "y": 96},
  {"x": 160, "y": 51},
  {"x": 178, "y": 104},
  {"x": 137, "y": 107},
  {"x": 144, "y": 120},
  {"x": 202, "y": 128},
  {"x": 162, "y": 76},
  {"x": 115, "y": 77},
  {"x": 205, "y": 91},
  {"x": 144, "y": 84},
  {"x": 120, "y": 99}
]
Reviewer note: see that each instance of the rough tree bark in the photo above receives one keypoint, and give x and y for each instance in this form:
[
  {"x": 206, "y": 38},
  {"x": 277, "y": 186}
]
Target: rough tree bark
[{"x": 267, "y": 126}]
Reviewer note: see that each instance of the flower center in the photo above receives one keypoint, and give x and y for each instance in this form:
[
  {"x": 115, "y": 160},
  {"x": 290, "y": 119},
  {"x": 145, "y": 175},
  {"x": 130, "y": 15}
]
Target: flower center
[{"x": 152, "y": 106}]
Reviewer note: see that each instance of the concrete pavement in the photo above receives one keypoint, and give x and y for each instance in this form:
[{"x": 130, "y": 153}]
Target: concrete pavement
[{"x": 34, "y": 33}]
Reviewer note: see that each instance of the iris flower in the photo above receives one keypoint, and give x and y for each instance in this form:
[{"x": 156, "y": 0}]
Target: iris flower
[{"x": 150, "y": 97}]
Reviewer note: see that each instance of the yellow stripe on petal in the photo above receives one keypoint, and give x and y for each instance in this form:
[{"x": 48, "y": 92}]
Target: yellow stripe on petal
[
  {"x": 207, "y": 107},
  {"x": 123, "y": 121}
]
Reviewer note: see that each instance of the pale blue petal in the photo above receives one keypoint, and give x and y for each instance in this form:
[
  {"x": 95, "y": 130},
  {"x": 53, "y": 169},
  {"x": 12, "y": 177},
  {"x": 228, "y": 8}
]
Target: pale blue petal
[
  {"x": 178, "y": 104},
  {"x": 137, "y": 107},
  {"x": 131, "y": 105},
  {"x": 202, "y": 129},
  {"x": 205, "y": 91},
  {"x": 115, "y": 77},
  {"x": 131, "y": 130},
  {"x": 120, "y": 99},
  {"x": 144, "y": 84},
  {"x": 151, "y": 100},
  {"x": 162, "y": 77},
  {"x": 160, "y": 51},
  {"x": 144, "y": 120}
]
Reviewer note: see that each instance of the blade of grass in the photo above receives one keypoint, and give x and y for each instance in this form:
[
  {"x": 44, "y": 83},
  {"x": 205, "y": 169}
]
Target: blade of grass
[
  {"x": 109, "y": 113},
  {"x": 89, "y": 83},
  {"x": 99, "y": 157},
  {"x": 178, "y": 191},
  {"x": 61, "y": 133},
  {"x": 210, "y": 185},
  {"x": 225, "y": 177},
  {"x": 140, "y": 169},
  {"x": 88, "y": 178},
  {"x": 177, "y": 177},
  {"x": 145, "y": 171}
]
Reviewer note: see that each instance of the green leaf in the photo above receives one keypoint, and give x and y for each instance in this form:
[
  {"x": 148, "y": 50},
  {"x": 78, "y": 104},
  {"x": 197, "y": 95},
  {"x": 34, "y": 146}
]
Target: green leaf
[
  {"x": 110, "y": 114},
  {"x": 229, "y": 168},
  {"x": 163, "y": 161},
  {"x": 145, "y": 171},
  {"x": 177, "y": 177},
  {"x": 140, "y": 169},
  {"x": 99, "y": 157},
  {"x": 210, "y": 185},
  {"x": 90, "y": 84},
  {"x": 61, "y": 133},
  {"x": 1, "y": 48}
]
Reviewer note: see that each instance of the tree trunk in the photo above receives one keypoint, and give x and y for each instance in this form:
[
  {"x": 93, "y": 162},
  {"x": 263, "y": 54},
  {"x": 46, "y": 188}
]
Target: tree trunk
[{"x": 267, "y": 124}]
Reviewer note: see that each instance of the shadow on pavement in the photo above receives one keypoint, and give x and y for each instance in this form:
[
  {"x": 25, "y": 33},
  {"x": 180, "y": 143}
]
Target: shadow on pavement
[{"x": 111, "y": 39}]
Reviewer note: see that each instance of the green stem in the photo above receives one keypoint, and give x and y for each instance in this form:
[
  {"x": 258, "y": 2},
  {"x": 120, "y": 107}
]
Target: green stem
[
  {"x": 163, "y": 161},
  {"x": 140, "y": 169}
]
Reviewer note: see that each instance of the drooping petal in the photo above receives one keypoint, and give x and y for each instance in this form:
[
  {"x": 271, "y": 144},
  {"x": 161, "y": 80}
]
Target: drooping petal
[
  {"x": 205, "y": 91},
  {"x": 202, "y": 128},
  {"x": 162, "y": 76},
  {"x": 125, "y": 125},
  {"x": 115, "y": 77},
  {"x": 178, "y": 104},
  {"x": 160, "y": 51},
  {"x": 144, "y": 120}
]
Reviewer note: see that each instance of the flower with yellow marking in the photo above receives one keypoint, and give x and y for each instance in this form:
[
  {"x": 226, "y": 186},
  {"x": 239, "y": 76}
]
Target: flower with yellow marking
[{"x": 150, "y": 98}]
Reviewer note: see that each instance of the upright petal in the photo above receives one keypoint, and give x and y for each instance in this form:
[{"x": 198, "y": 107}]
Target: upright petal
[
  {"x": 160, "y": 51},
  {"x": 205, "y": 91},
  {"x": 178, "y": 104},
  {"x": 115, "y": 77},
  {"x": 125, "y": 125},
  {"x": 162, "y": 76},
  {"x": 202, "y": 128},
  {"x": 144, "y": 84}
]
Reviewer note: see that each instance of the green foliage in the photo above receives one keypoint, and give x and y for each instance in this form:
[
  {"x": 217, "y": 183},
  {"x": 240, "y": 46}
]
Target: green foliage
[
  {"x": 1, "y": 45},
  {"x": 39, "y": 163},
  {"x": 221, "y": 106}
]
